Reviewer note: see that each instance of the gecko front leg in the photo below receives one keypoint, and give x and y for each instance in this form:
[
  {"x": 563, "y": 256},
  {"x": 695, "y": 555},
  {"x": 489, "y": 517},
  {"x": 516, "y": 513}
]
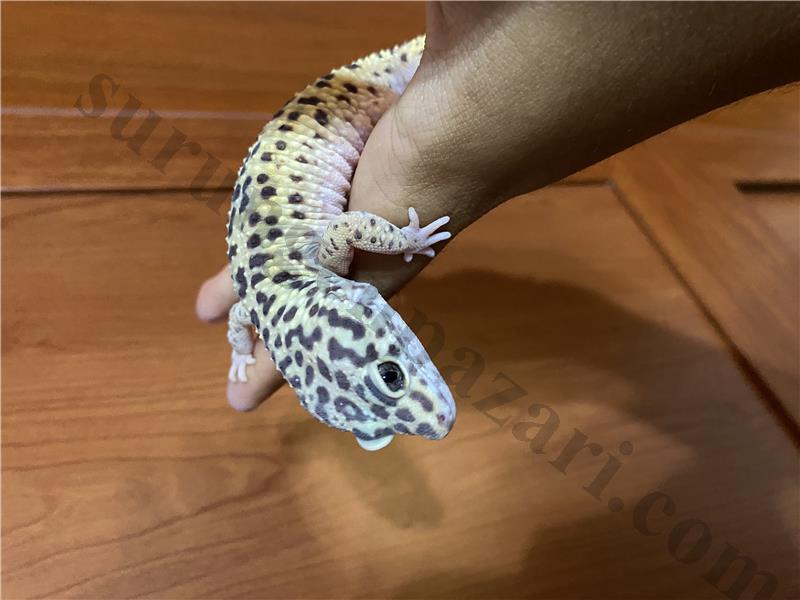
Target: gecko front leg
[
  {"x": 372, "y": 233},
  {"x": 241, "y": 341}
]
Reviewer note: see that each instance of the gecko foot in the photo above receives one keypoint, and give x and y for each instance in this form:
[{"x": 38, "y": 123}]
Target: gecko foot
[
  {"x": 421, "y": 239},
  {"x": 239, "y": 362}
]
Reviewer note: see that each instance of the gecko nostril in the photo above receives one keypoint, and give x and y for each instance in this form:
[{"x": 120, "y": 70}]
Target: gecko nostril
[{"x": 441, "y": 418}]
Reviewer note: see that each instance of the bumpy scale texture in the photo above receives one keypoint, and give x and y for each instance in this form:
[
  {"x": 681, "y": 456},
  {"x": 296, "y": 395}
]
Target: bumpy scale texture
[{"x": 353, "y": 362}]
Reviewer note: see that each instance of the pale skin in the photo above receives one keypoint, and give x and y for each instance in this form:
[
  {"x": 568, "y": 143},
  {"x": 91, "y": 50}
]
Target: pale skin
[{"x": 578, "y": 83}]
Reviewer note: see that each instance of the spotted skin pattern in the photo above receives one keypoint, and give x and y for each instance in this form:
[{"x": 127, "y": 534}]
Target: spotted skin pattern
[{"x": 290, "y": 242}]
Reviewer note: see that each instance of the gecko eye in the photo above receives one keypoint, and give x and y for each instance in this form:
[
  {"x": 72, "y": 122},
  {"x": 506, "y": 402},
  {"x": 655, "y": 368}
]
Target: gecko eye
[{"x": 392, "y": 376}]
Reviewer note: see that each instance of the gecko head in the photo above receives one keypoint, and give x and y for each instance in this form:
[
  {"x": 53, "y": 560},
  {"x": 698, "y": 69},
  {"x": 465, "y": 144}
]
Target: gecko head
[{"x": 380, "y": 380}]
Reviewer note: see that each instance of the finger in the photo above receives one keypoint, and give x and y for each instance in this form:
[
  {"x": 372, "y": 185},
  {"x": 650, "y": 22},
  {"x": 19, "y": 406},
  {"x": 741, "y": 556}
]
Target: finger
[
  {"x": 263, "y": 380},
  {"x": 216, "y": 296},
  {"x": 431, "y": 227}
]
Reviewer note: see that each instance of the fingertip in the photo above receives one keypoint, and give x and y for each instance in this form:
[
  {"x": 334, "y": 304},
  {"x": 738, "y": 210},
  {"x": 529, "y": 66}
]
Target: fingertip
[{"x": 215, "y": 297}]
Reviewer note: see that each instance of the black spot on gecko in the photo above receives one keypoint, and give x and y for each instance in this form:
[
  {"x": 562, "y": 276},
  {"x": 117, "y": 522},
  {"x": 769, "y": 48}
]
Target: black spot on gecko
[
  {"x": 323, "y": 84},
  {"x": 232, "y": 251},
  {"x": 393, "y": 350},
  {"x": 372, "y": 240},
  {"x": 262, "y": 178},
  {"x": 253, "y": 219},
  {"x": 280, "y": 145},
  {"x": 356, "y": 328},
  {"x": 349, "y": 409},
  {"x": 271, "y": 220},
  {"x": 372, "y": 221},
  {"x": 285, "y": 364},
  {"x": 404, "y": 57},
  {"x": 322, "y": 395},
  {"x": 425, "y": 430},
  {"x": 274, "y": 234},
  {"x": 267, "y": 303},
  {"x": 296, "y": 178},
  {"x": 293, "y": 116},
  {"x": 290, "y": 314},
  {"x": 358, "y": 234},
  {"x": 258, "y": 260},
  {"x": 278, "y": 313},
  {"x": 257, "y": 278},
  {"x": 352, "y": 66},
  {"x": 241, "y": 279},
  {"x": 321, "y": 117},
  {"x": 295, "y": 198},
  {"x": 278, "y": 114},
  {"x": 298, "y": 358},
  {"x": 338, "y": 352},
  {"x": 323, "y": 370},
  {"x": 343, "y": 98},
  {"x": 424, "y": 401},
  {"x": 311, "y": 100},
  {"x": 295, "y": 255},
  {"x": 351, "y": 88},
  {"x": 266, "y": 157},
  {"x": 302, "y": 159},
  {"x": 254, "y": 319},
  {"x": 245, "y": 201},
  {"x": 254, "y": 241},
  {"x": 268, "y": 191},
  {"x": 309, "y": 375},
  {"x": 342, "y": 381},
  {"x": 379, "y": 411},
  {"x": 371, "y": 90},
  {"x": 298, "y": 215},
  {"x": 305, "y": 342},
  {"x": 281, "y": 277},
  {"x": 285, "y": 127},
  {"x": 404, "y": 414}
]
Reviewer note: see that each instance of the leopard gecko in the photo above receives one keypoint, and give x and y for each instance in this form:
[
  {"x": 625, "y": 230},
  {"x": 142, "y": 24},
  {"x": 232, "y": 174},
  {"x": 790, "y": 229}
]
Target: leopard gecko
[{"x": 350, "y": 358}]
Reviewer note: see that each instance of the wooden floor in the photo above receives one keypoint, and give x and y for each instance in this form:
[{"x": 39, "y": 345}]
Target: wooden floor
[{"x": 648, "y": 306}]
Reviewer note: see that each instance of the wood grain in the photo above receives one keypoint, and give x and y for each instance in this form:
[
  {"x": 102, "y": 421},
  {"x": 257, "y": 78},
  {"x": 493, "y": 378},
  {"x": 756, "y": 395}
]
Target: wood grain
[
  {"x": 126, "y": 475},
  {"x": 221, "y": 56},
  {"x": 742, "y": 274}
]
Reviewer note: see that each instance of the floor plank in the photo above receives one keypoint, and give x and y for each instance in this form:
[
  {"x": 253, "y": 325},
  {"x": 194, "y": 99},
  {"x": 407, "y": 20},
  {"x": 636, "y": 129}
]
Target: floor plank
[
  {"x": 125, "y": 474},
  {"x": 221, "y": 56},
  {"x": 744, "y": 276}
]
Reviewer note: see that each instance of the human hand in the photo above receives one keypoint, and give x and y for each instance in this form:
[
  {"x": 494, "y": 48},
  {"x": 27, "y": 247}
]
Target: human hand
[{"x": 513, "y": 96}]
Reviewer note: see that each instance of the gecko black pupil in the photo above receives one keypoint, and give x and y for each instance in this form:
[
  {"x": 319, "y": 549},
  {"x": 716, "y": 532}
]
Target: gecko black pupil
[{"x": 392, "y": 375}]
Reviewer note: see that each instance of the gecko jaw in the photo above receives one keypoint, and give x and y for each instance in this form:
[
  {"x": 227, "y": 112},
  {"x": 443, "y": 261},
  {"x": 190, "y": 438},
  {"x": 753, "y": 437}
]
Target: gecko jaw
[{"x": 376, "y": 444}]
